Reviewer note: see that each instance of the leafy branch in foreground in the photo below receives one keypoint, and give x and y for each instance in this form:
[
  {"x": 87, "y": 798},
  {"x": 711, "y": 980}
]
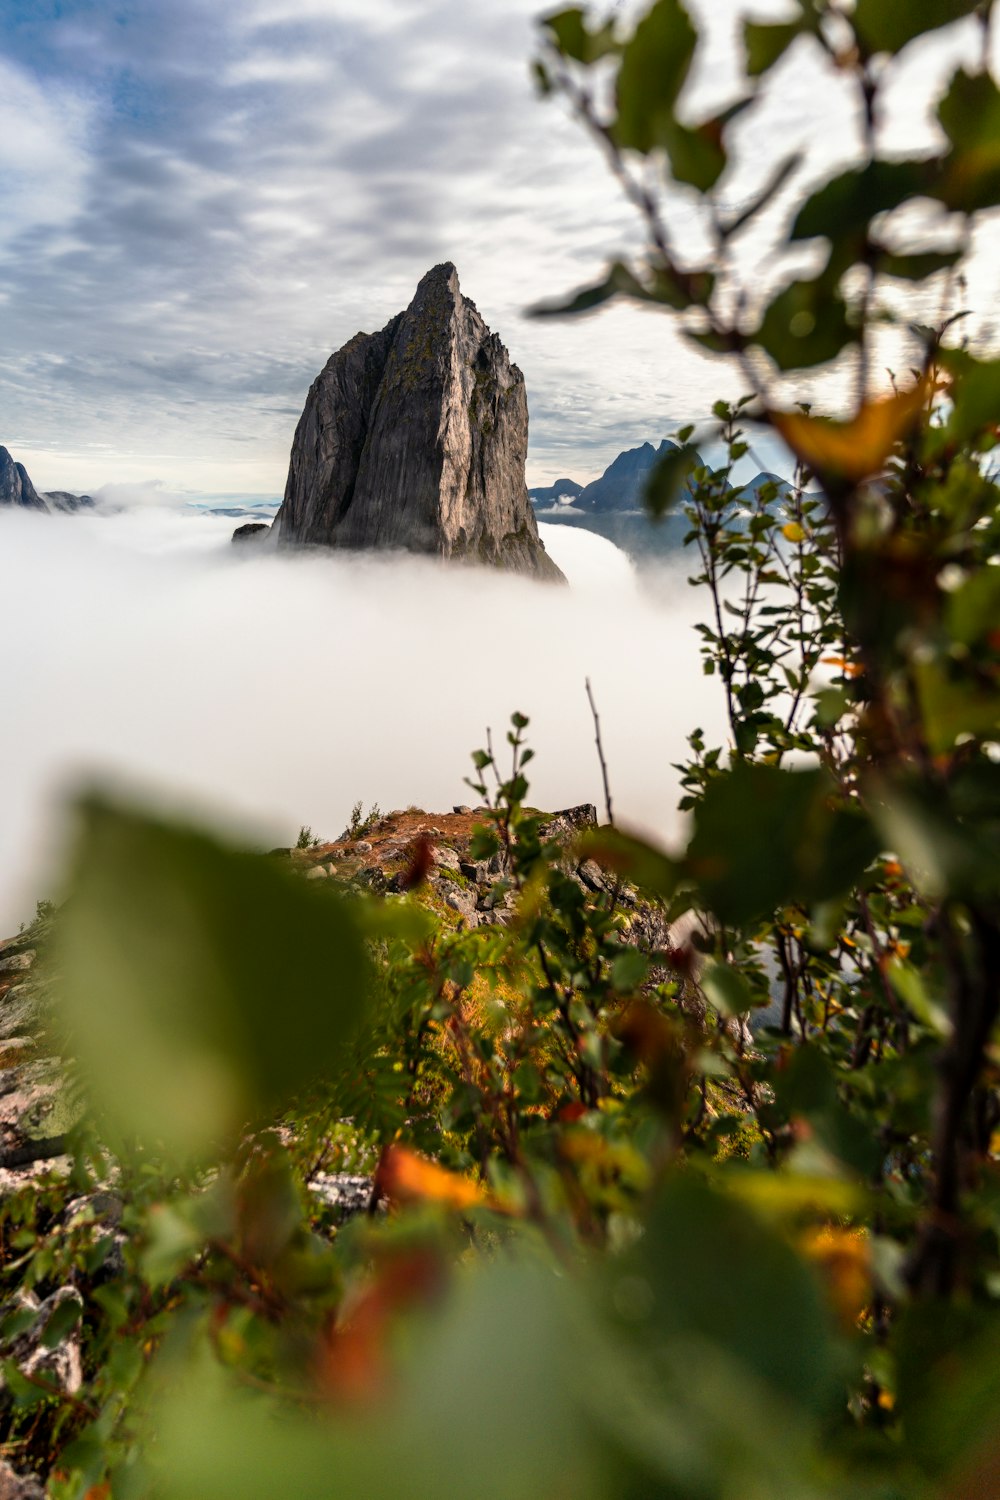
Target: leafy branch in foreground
[{"x": 875, "y": 570}]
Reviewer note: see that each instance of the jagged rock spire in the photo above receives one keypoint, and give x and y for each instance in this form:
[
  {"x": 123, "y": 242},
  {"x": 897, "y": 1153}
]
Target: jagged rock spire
[
  {"x": 416, "y": 438},
  {"x": 15, "y": 486}
]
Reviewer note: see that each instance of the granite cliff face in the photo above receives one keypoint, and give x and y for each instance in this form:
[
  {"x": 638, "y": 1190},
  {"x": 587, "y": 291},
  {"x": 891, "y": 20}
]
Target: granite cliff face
[
  {"x": 15, "y": 486},
  {"x": 17, "y": 489},
  {"x": 416, "y": 438}
]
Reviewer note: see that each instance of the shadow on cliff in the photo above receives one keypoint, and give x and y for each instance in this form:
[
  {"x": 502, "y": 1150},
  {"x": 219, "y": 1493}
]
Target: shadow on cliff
[{"x": 277, "y": 689}]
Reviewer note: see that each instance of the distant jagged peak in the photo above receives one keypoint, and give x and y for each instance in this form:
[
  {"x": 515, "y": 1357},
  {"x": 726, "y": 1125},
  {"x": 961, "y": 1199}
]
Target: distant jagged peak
[{"x": 622, "y": 485}]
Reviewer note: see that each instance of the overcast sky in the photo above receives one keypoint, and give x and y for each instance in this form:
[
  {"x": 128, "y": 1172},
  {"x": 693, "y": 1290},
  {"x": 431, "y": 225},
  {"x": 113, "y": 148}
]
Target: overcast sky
[{"x": 203, "y": 198}]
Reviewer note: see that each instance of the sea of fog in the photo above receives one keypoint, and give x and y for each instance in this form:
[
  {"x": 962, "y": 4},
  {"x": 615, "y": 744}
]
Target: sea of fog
[{"x": 260, "y": 690}]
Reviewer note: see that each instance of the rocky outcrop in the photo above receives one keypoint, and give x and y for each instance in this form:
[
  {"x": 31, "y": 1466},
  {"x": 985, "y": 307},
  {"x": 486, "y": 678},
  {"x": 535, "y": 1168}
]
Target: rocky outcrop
[
  {"x": 16, "y": 488},
  {"x": 64, "y": 501},
  {"x": 14, "y": 1486},
  {"x": 251, "y": 531},
  {"x": 416, "y": 438}
]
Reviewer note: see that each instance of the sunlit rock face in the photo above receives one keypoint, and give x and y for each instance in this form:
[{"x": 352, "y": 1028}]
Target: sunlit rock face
[{"x": 416, "y": 438}]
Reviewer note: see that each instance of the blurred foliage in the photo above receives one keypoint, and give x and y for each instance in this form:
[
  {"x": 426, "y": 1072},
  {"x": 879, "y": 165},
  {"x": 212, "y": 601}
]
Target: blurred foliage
[{"x": 684, "y": 1179}]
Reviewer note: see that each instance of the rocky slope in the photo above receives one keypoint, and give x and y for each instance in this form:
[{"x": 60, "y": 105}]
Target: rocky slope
[
  {"x": 16, "y": 488},
  {"x": 416, "y": 438},
  {"x": 428, "y": 853}
]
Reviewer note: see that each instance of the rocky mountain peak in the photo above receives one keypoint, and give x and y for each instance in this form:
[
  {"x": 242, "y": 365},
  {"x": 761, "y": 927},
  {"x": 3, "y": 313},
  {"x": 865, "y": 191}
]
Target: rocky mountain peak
[
  {"x": 15, "y": 486},
  {"x": 416, "y": 438}
]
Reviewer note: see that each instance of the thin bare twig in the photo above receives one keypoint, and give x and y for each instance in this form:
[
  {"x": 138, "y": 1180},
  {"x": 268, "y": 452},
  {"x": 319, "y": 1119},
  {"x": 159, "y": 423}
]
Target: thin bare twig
[{"x": 600, "y": 754}]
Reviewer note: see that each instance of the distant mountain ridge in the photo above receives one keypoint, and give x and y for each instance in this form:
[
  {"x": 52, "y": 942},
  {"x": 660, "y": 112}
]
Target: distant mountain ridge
[
  {"x": 613, "y": 505},
  {"x": 551, "y": 494},
  {"x": 17, "y": 489},
  {"x": 620, "y": 488},
  {"x": 623, "y": 483}
]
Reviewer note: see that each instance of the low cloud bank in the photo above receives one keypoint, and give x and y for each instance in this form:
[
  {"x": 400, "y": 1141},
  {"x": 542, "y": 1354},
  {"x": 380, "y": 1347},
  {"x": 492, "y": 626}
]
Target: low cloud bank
[{"x": 265, "y": 690}]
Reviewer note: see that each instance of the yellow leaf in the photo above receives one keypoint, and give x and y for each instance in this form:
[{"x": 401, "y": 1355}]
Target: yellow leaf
[
  {"x": 793, "y": 532},
  {"x": 857, "y": 449},
  {"x": 843, "y": 1258}
]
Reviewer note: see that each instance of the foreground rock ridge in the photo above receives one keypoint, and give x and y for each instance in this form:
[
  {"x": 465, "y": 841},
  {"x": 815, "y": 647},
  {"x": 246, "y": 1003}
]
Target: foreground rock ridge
[{"x": 416, "y": 438}]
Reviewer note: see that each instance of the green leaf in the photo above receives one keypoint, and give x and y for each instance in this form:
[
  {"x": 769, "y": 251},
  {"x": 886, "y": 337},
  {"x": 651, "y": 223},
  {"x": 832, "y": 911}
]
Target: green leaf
[
  {"x": 842, "y": 209},
  {"x": 909, "y": 984},
  {"x": 629, "y": 970},
  {"x": 484, "y": 843},
  {"x": 619, "y": 281},
  {"x": 949, "y": 1395},
  {"x": 970, "y": 116},
  {"x": 765, "y": 45},
  {"x": 698, "y": 154},
  {"x": 953, "y": 704},
  {"x": 975, "y": 397},
  {"x": 765, "y": 837},
  {"x": 887, "y": 25},
  {"x": 973, "y": 610},
  {"x": 428, "y": 1437},
  {"x": 570, "y": 34},
  {"x": 664, "y": 287},
  {"x": 200, "y": 985},
  {"x": 717, "y": 1274},
  {"x": 65, "y": 1318},
  {"x": 653, "y": 71},
  {"x": 633, "y": 858},
  {"x": 172, "y": 1240},
  {"x": 25, "y": 1392},
  {"x": 943, "y": 854},
  {"x": 806, "y": 325},
  {"x": 667, "y": 482},
  {"x": 918, "y": 266},
  {"x": 726, "y": 989}
]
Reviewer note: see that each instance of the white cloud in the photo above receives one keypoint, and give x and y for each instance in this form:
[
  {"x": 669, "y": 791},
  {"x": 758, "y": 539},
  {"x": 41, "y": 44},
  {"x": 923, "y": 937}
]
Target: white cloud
[
  {"x": 43, "y": 156},
  {"x": 270, "y": 690}
]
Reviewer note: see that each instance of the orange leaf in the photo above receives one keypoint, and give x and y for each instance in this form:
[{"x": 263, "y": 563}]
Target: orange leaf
[
  {"x": 405, "y": 1176},
  {"x": 353, "y": 1358},
  {"x": 857, "y": 449}
]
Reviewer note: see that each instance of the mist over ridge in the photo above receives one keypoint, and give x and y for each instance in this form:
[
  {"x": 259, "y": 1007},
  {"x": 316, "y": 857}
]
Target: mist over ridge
[{"x": 275, "y": 689}]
